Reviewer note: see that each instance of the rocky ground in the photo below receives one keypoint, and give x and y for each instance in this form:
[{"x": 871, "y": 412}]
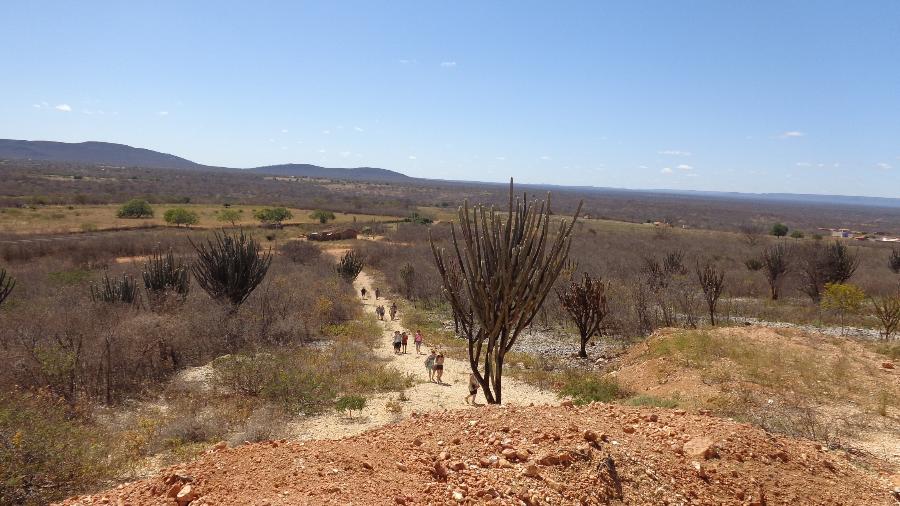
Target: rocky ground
[{"x": 596, "y": 454}]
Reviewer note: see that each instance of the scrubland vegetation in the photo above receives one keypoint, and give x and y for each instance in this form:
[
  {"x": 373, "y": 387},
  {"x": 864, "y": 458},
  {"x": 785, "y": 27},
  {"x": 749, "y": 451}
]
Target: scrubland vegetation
[{"x": 133, "y": 348}]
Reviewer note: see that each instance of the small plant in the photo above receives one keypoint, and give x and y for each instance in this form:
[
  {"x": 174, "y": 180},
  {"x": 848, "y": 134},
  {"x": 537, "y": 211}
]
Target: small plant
[
  {"x": 179, "y": 216},
  {"x": 164, "y": 274},
  {"x": 776, "y": 260},
  {"x": 349, "y": 266},
  {"x": 418, "y": 219},
  {"x": 407, "y": 277},
  {"x": 393, "y": 406},
  {"x": 273, "y": 215},
  {"x": 843, "y": 299},
  {"x": 228, "y": 216},
  {"x": 587, "y": 388},
  {"x": 229, "y": 267},
  {"x": 7, "y": 283},
  {"x": 587, "y": 306},
  {"x": 322, "y": 216},
  {"x": 753, "y": 264},
  {"x": 796, "y": 234},
  {"x": 894, "y": 261},
  {"x": 712, "y": 282},
  {"x": 350, "y": 403},
  {"x": 124, "y": 291},
  {"x": 779, "y": 230},
  {"x": 300, "y": 252},
  {"x": 135, "y": 208}
]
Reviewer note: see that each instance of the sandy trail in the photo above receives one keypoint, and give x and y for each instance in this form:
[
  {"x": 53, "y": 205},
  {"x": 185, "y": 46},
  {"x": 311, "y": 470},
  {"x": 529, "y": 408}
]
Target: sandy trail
[{"x": 423, "y": 397}]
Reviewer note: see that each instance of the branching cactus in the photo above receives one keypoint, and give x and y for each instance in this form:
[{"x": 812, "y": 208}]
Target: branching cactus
[
  {"x": 509, "y": 262},
  {"x": 349, "y": 266},
  {"x": 230, "y": 266},
  {"x": 165, "y": 274},
  {"x": 121, "y": 291},
  {"x": 7, "y": 283}
]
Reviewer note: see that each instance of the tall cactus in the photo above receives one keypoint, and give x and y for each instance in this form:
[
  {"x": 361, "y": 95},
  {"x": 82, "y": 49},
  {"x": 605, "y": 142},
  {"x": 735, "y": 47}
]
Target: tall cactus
[
  {"x": 349, "y": 266},
  {"x": 508, "y": 264},
  {"x": 7, "y": 283},
  {"x": 164, "y": 274},
  {"x": 124, "y": 291},
  {"x": 229, "y": 267}
]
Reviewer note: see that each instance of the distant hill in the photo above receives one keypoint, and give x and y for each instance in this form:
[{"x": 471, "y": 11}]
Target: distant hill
[
  {"x": 105, "y": 153},
  {"x": 358, "y": 173}
]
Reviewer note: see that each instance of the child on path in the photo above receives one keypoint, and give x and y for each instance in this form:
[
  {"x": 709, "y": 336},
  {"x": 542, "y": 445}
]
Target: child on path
[
  {"x": 439, "y": 367},
  {"x": 473, "y": 388},
  {"x": 429, "y": 365},
  {"x": 404, "y": 340},
  {"x": 418, "y": 340},
  {"x": 393, "y": 311},
  {"x": 397, "y": 342},
  {"x": 380, "y": 312}
]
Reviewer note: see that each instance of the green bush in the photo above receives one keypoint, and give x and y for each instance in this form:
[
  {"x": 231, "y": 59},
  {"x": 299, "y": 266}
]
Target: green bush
[
  {"x": 796, "y": 234},
  {"x": 135, "y": 208},
  {"x": 273, "y": 215},
  {"x": 180, "y": 216},
  {"x": 779, "y": 230},
  {"x": 350, "y": 403},
  {"x": 585, "y": 388},
  {"x": 652, "y": 401},
  {"x": 45, "y": 454},
  {"x": 322, "y": 216}
]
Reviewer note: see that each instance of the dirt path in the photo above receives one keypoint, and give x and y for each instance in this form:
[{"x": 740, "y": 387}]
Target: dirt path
[{"x": 423, "y": 397}]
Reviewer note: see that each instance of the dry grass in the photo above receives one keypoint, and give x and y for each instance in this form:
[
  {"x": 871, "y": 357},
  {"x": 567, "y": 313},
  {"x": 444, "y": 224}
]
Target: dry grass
[{"x": 86, "y": 218}]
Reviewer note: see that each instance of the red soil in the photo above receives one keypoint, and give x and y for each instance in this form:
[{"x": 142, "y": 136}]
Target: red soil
[{"x": 597, "y": 454}]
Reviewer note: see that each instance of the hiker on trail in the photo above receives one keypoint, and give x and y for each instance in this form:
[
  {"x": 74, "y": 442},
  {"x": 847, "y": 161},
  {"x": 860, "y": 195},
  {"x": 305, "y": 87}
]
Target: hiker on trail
[
  {"x": 473, "y": 388},
  {"x": 377, "y": 292},
  {"x": 393, "y": 310},
  {"x": 380, "y": 312},
  {"x": 404, "y": 339},
  {"x": 362, "y": 292},
  {"x": 397, "y": 342},
  {"x": 429, "y": 365},
  {"x": 439, "y": 367},
  {"x": 418, "y": 340}
]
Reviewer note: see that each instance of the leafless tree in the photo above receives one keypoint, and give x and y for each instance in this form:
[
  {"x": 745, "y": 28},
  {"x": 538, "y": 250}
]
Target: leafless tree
[
  {"x": 712, "y": 281},
  {"x": 587, "y": 305},
  {"x": 887, "y": 310},
  {"x": 821, "y": 264},
  {"x": 752, "y": 233},
  {"x": 509, "y": 264},
  {"x": 776, "y": 261}
]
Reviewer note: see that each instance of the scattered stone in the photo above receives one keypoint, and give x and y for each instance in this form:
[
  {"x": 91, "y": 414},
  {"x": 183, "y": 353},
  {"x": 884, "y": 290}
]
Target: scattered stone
[
  {"x": 440, "y": 471},
  {"x": 185, "y": 495},
  {"x": 887, "y": 365},
  {"x": 531, "y": 471},
  {"x": 628, "y": 429},
  {"x": 700, "y": 447}
]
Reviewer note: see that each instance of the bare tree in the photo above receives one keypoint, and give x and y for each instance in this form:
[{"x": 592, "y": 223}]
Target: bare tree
[
  {"x": 659, "y": 277},
  {"x": 887, "y": 310},
  {"x": 752, "y": 233},
  {"x": 587, "y": 305},
  {"x": 7, "y": 283},
  {"x": 712, "y": 281},
  {"x": 822, "y": 264},
  {"x": 776, "y": 260},
  {"x": 508, "y": 264},
  {"x": 894, "y": 261}
]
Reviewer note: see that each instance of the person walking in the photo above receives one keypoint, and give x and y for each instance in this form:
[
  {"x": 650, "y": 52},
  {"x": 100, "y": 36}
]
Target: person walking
[
  {"x": 418, "y": 340},
  {"x": 429, "y": 366},
  {"x": 393, "y": 310},
  {"x": 473, "y": 388},
  {"x": 377, "y": 292},
  {"x": 404, "y": 340},
  {"x": 439, "y": 367},
  {"x": 379, "y": 311},
  {"x": 362, "y": 291},
  {"x": 398, "y": 340}
]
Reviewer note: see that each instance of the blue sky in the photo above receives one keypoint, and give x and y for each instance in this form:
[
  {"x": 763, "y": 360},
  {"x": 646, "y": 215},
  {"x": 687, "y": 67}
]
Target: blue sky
[{"x": 788, "y": 96}]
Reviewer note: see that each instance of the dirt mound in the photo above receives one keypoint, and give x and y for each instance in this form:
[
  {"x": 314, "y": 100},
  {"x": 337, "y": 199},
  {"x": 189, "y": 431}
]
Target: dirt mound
[{"x": 595, "y": 454}]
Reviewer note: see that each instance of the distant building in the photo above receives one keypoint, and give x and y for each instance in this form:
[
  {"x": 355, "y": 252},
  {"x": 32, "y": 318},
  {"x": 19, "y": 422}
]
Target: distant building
[
  {"x": 333, "y": 235},
  {"x": 841, "y": 232}
]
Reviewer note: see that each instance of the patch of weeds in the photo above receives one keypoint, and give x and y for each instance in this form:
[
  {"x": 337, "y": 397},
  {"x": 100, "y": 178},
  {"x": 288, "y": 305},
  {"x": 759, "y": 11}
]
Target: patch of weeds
[
  {"x": 70, "y": 277},
  {"x": 890, "y": 350},
  {"x": 652, "y": 401},
  {"x": 585, "y": 388}
]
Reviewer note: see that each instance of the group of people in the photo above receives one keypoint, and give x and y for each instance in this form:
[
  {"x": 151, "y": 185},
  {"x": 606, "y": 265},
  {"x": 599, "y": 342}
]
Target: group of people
[
  {"x": 434, "y": 363},
  {"x": 401, "y": 340}
]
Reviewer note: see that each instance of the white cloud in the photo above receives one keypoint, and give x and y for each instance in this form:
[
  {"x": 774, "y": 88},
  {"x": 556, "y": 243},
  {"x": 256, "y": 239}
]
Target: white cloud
[
  {"x": 882, "y": 165},
  {"x": 358, "y": 129},
  {"x": 665, "y": 170},
  {"x": 545, "y": 157},
  {"x": 684, "y": 167},
  {"x": 326, "y": 132},
  {"x": 64, "y": 108},
  {"x": 163, "y": 113},
  {"x": 501, "y": 158},
  {"x": 408, "y": 62},
  {"x": 412, "y": 157},
  {"x": 643, "y": 167},
  {"x": 675, "y": 152},
  {"x": 803, "y": 164},
  {"x": 448, "y": 64},
  {"x": 345, "y": 154},
  {"x": 284, "y": 130},
  {"x": 321, "y": 151},
  {"x": 790, "y": 134}
]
